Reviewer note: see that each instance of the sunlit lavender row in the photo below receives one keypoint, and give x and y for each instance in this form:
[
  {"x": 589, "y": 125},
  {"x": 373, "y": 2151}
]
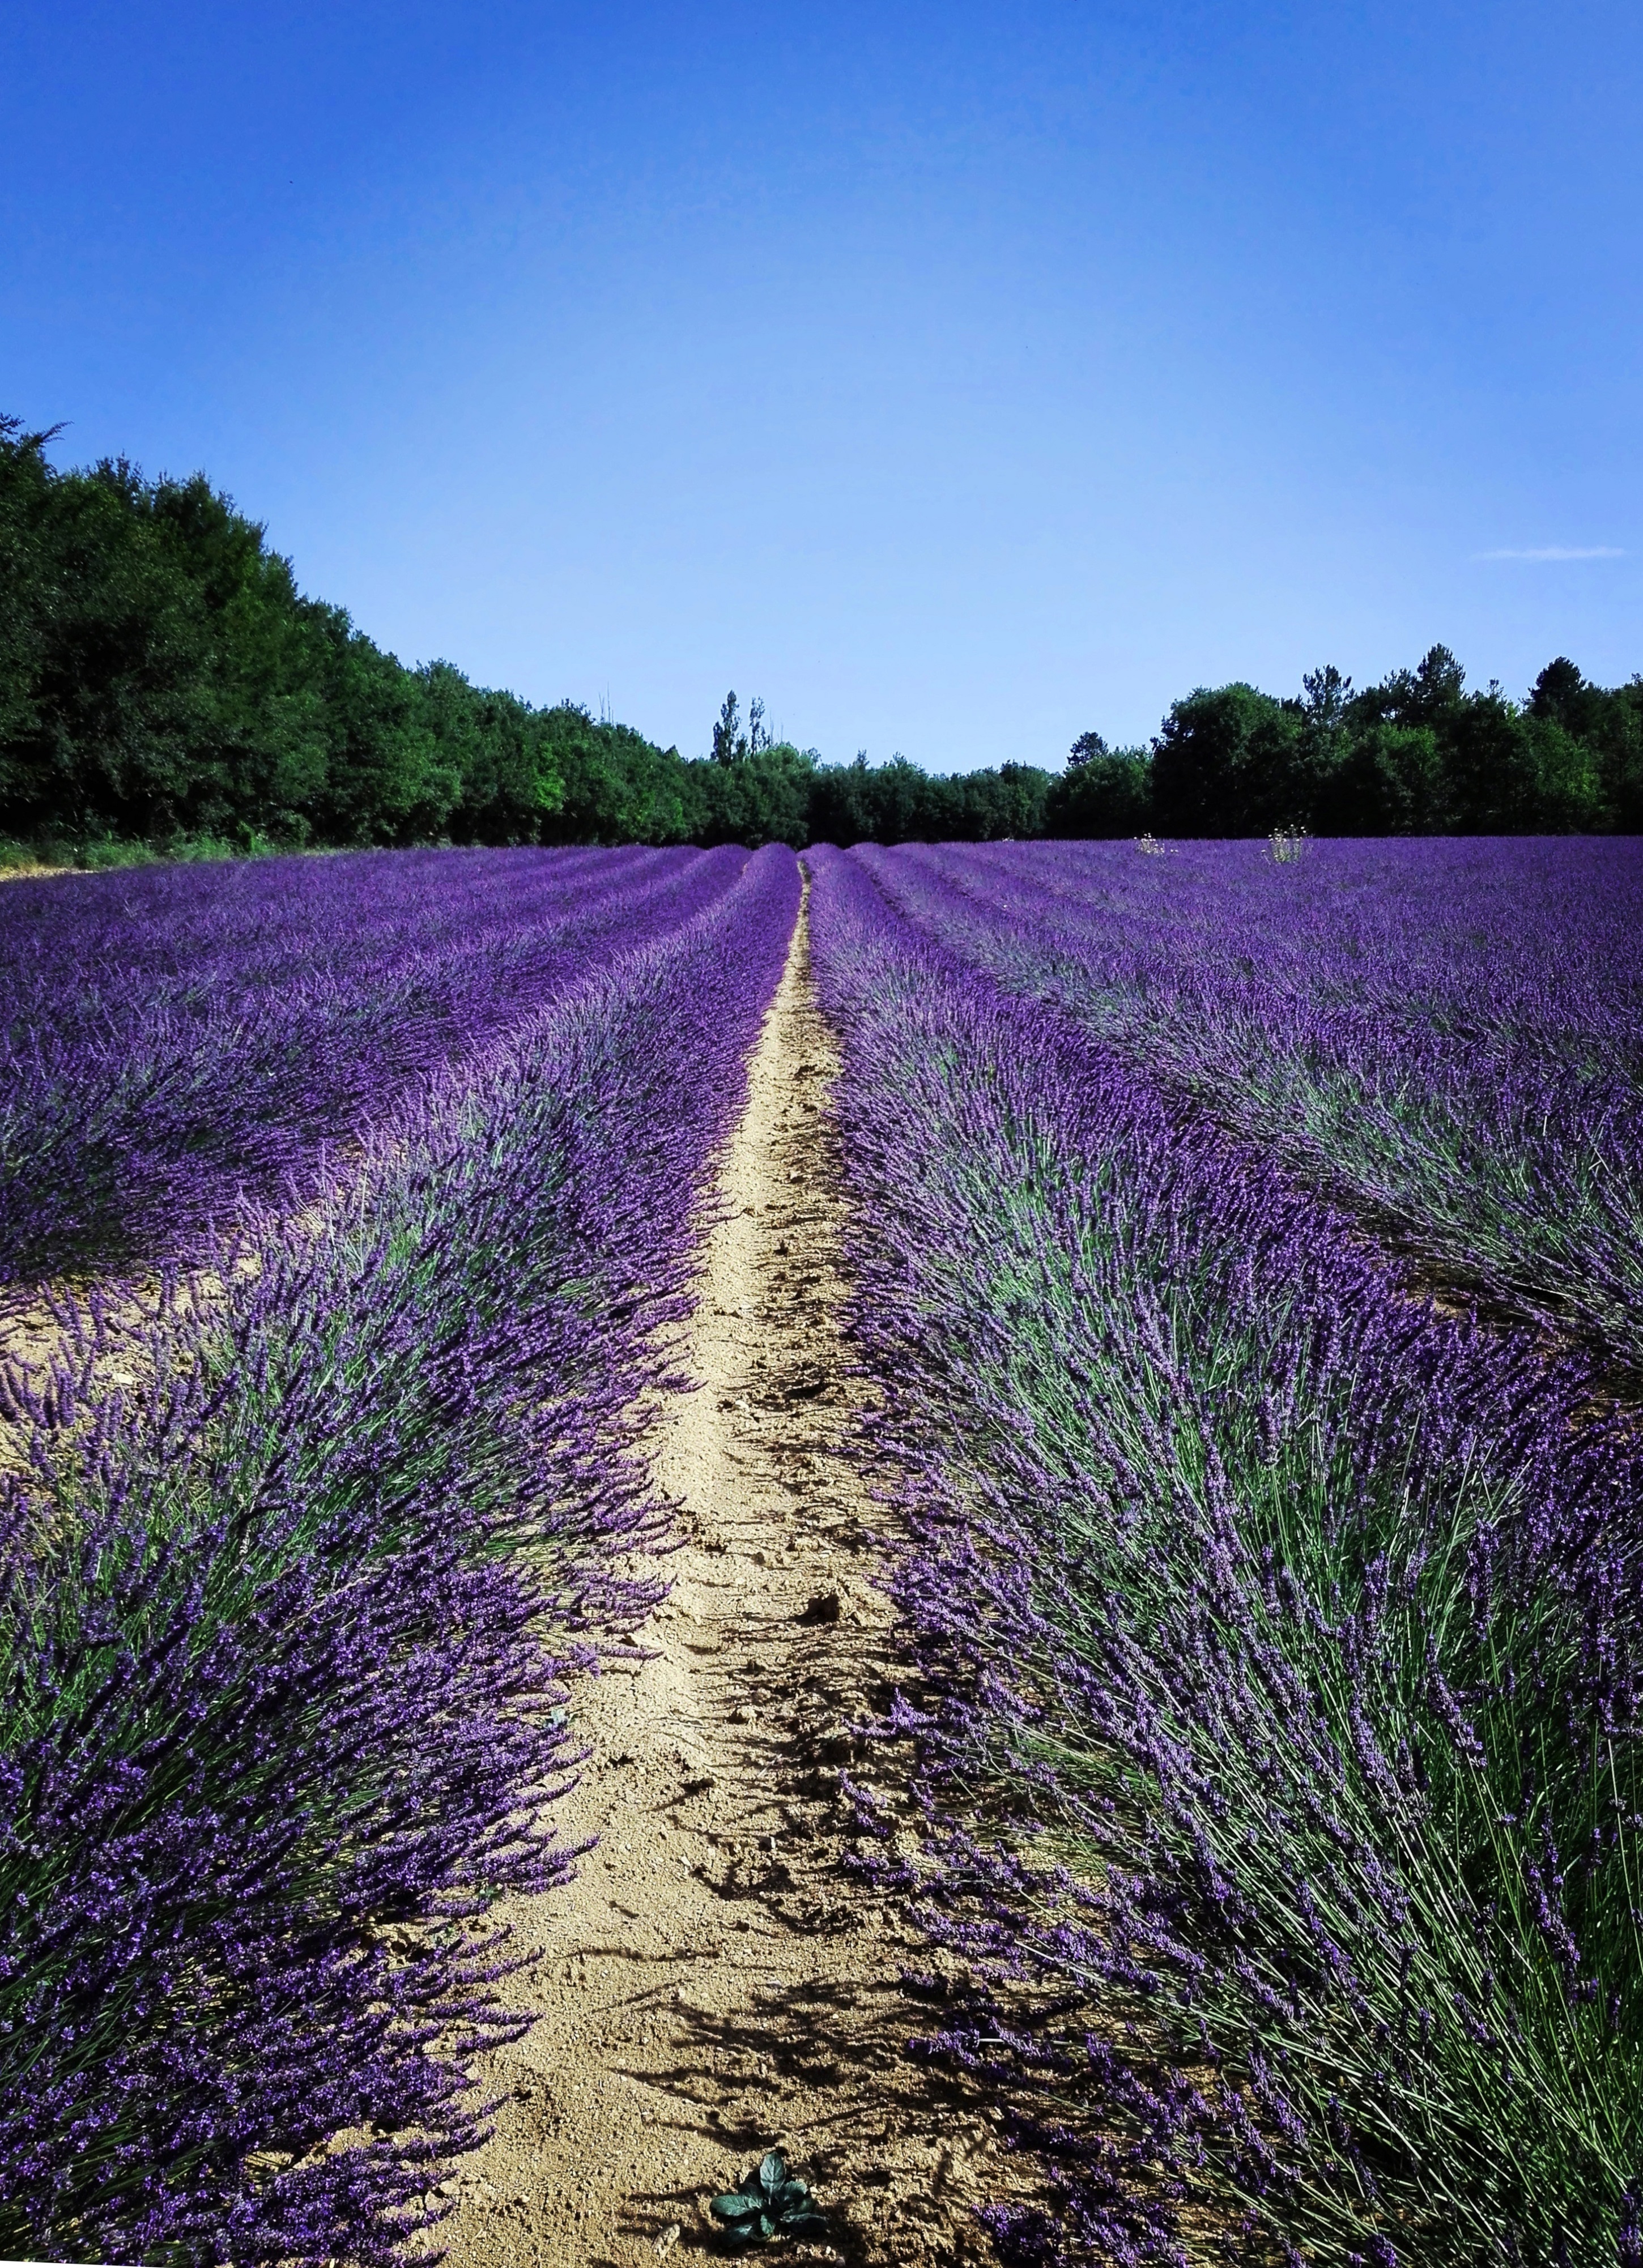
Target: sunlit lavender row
[
  {"x": 1276, "y": 1672},
  {"x": 296, "y": 1555},
  {"x": 177, "y": 1037},
  {"x": 1447, "y": 1035}
]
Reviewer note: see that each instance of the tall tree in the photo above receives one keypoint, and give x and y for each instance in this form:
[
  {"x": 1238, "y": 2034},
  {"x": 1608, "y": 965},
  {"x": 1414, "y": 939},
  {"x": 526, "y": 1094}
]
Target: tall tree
[
  {"x": 1225, "y": 764},
  {"x": 730, "y": 742}
]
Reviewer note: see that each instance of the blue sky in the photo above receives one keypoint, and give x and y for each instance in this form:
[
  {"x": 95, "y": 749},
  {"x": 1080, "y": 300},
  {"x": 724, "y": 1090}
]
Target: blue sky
[{"x": 958, "y": 378}]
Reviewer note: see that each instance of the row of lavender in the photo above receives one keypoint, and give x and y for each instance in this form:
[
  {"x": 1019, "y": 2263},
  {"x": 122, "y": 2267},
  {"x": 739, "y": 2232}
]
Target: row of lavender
[
  {"x": 1447, "y": 1035},
  {"x": 292, "y": 1573},
  {"x": 172, "y": 1036},
  {"x": 1280, "y": 1677}
]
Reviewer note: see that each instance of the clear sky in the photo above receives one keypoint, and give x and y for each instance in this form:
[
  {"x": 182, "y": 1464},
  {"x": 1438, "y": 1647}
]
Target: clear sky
[{"x": 956, "y": 377}]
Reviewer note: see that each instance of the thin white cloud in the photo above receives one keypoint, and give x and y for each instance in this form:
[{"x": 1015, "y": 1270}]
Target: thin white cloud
[{"x": 1558, "y": 551}]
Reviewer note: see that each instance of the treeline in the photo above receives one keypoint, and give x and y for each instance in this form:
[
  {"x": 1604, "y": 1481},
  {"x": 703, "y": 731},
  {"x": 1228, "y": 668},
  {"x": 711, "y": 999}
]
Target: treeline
[
  {"x": 1414, "y": 754},
  {"x": 163, "y": 681},
  {"x": 161, "y": 675}
]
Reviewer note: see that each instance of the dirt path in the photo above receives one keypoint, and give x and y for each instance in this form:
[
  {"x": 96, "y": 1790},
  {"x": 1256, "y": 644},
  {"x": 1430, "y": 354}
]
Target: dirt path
[{"x": 716, "y": 1984}]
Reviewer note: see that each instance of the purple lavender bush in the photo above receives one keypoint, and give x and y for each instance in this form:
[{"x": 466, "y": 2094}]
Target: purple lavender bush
[
  {"x": 291, "y": 1578},
  {"x": 173, "y": 1037},
  {"x": 1277, "y": 1662},
  {"x": 1446, "y": 1035}
]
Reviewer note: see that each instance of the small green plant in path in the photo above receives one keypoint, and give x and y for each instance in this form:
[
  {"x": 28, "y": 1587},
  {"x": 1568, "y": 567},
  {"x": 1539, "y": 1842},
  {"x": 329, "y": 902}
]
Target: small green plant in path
[{"x": 771, "y": 2202}]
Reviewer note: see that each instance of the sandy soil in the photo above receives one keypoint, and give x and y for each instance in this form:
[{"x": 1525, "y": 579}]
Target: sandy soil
[{"x": 715, "y": 1983}]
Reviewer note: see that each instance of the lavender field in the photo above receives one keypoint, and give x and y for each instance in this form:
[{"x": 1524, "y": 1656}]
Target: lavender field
[{"x": 1245, "y": 1262}]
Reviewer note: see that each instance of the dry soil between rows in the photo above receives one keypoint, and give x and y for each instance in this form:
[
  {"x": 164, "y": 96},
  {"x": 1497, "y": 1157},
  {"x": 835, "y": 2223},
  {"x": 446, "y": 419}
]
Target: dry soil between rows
[{"x": 715, "y": 1982}]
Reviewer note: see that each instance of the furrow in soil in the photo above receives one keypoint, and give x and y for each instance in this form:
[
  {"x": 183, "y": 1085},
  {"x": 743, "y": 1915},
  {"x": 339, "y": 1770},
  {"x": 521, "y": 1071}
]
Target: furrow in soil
[{"x": 716, "y": 1983}]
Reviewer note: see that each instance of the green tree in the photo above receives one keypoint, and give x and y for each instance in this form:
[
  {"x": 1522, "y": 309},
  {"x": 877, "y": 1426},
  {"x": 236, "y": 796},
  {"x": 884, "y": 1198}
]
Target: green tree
[
  {"x": 118, "y": 647},
  {"x": 1390, "y": 780},
  {"x": 730, "y": 742},
  {"x": 1104, "y": 793},
  {"x": 1226, "y": 762},
  {"x": 1607, "y": 727},
  {"x": 760, "y": 796},
  {"x": 616, "y": 785},
  {"x": 1617, "y": 736}
]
